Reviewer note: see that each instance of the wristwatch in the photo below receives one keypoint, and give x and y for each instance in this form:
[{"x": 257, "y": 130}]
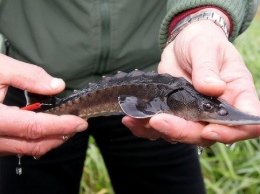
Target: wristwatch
[{"x": 212, "y": 16}]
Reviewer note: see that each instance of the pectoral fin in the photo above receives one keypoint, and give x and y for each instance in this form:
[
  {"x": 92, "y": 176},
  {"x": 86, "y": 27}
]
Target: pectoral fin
[{"x": 139, "y": 108}]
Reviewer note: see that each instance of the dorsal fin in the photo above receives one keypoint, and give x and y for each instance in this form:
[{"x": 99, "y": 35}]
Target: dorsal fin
[
  {"x": 136, "y": 73},
  {"x": 120, "y": 74}
]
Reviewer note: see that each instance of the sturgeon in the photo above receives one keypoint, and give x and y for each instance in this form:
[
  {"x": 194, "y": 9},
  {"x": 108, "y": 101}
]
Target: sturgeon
[{"x": 144, "y": 94}]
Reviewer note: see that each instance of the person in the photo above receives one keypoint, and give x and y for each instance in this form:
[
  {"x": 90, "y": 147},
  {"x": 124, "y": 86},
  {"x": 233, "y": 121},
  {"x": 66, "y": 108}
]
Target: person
[{"x": 79, "y": 42}]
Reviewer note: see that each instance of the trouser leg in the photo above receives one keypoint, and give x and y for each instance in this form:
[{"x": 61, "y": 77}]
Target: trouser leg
[{"x": 138, "y": 165}]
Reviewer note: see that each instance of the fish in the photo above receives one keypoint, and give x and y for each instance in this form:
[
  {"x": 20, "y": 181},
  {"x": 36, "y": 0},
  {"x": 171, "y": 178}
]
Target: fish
[{"x": 142, "y": 95}]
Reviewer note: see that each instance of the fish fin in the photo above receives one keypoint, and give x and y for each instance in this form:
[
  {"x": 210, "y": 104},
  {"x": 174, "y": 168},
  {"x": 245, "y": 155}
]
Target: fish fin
[{"x": 138, "y": 108}]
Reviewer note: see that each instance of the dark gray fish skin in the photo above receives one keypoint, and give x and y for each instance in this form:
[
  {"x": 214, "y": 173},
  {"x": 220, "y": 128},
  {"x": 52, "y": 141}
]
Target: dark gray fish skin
[{"x": 143, "y": 95}]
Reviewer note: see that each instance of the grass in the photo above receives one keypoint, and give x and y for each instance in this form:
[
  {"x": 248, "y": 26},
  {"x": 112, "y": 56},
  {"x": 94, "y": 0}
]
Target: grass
[
  {"x": 95, "y": 179},
  {"x": 232, "y": 170}
]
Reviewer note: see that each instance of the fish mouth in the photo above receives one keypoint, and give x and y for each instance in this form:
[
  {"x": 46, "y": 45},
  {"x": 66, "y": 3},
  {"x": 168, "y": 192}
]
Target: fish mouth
[{"x": 229, "y": 115}]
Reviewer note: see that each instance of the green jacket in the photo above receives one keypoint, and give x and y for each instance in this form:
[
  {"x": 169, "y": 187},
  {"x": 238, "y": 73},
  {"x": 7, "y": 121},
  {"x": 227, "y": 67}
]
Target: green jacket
[{"x": 81, "y": 40}]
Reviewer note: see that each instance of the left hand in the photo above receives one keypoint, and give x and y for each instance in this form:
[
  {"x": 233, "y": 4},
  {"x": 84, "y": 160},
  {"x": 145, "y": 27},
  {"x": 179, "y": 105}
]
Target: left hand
[
  {"x": 26, "y": 132},
  {"x": 203, "y": 55}
]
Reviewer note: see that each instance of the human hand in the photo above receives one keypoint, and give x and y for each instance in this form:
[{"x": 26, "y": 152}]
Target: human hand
[
  {"x": 25, "y": 132},
  {"x": 202, "y": 54}
]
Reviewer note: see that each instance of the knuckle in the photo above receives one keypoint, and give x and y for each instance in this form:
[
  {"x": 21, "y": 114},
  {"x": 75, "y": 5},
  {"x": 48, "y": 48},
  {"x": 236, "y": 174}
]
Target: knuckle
[
  {"x": 136, "y": 132},
  {"x": 36, "y": 70},
  {"x": 173, "y": 135},
  {"x": 139, "y": 132},
  {"x": 254, "y": 133},
  {"x": 31, "y": 77},
  {"x": 181, "y": 137},
  {"x": 35, "y": 130}
]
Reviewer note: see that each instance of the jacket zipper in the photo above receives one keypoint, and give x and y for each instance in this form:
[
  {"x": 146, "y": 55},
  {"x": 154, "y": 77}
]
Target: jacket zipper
[{"x": 105, "y": 35}]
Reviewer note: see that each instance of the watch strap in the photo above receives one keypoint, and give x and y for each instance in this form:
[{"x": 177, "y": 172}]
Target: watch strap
[{"x": 211, "y": 16}]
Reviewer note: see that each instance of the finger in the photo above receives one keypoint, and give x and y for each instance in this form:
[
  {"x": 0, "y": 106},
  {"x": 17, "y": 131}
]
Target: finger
[
  {"x": 140, "y": 128},
  {"x": 177, "y": 129},
  {"x": 240, "y": 90},
  {"x": 28, "y": 77},
  {"x": 248, "y": 102},
  {"x": 3, "y": 91},
  {"x": 242, "y": 94},
  {"x": 229, "y": 135},
  {"x": 8, "y": 145},
  {"x": 33, "y": 125}
]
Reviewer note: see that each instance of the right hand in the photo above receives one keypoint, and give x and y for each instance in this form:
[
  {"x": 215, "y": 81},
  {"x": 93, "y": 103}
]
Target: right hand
[
  {"x": 26, "y": 132},
  {"x": 203, "y": 55}
]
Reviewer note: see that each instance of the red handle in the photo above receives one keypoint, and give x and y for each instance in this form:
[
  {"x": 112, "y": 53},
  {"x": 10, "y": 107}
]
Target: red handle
[{"x": 33, "y": 106}]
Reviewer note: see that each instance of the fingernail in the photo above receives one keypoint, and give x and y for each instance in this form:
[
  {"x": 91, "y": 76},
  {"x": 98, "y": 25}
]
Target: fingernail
[
  {"x": 212, "y": 80},
  {"x": 56, "y": 83},
  {"x": 212, "y": 135},
  {"x": 36, "y": 157},
  {"x": 165, "y": 125},
  {"x": 81, "y": 127},
  {"x": 162, "y": 127}
]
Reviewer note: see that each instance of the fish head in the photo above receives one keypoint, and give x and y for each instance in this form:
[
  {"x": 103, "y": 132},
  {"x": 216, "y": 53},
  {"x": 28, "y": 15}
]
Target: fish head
[{"x": 197, "y": 107}]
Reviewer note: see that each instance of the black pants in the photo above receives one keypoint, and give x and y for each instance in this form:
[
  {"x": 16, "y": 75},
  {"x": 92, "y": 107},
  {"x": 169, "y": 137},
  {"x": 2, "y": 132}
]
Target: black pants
[{"x": 135, "y": 165}]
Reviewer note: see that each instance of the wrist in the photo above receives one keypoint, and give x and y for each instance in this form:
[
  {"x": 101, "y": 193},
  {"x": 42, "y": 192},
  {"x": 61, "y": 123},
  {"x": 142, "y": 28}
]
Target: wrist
[{"x": 216, "y": 15}]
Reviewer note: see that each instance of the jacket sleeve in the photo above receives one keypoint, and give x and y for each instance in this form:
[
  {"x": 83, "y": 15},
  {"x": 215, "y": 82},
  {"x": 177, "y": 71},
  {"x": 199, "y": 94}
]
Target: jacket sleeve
[{"x": 242, "y": 13}]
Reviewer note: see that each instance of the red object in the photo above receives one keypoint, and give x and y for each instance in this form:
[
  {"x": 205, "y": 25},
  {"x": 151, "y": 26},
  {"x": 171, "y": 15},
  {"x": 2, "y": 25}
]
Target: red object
[
  {"x": 33, "y": 106},
  {"x": 184, "y": 14}
]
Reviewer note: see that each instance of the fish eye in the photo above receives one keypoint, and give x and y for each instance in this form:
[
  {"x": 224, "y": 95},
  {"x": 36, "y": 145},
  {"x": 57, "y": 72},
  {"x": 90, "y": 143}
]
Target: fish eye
[{"x": 208, "y": 106}]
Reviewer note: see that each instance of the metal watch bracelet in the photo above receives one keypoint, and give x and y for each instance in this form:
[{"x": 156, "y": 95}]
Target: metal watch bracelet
[{"x": 212, "y": 16}]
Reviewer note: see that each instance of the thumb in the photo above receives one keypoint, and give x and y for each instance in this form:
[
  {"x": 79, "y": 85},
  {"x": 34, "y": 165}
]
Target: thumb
[
  {"x": 204, "y": 51},
  {"x": 207, "y": 81},
  {"x": 206, "y": 72},
  {"x": 28, "y": 77}
]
